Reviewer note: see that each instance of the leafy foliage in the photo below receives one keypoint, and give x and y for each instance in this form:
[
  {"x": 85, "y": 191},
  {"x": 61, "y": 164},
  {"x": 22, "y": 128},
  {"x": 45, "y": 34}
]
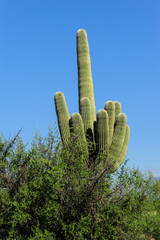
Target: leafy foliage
[{"x": 51, "y": 191}]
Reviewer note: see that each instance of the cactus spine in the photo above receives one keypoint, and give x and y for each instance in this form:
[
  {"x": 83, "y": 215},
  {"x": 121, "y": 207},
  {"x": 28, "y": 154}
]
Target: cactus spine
[{"x": 105, "y": 133}]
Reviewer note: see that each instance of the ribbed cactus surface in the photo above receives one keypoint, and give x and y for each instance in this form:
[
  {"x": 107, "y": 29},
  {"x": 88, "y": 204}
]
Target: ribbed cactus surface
[
  {"x": 107, "y": 132},
  {"x": 85, "y": 83}
]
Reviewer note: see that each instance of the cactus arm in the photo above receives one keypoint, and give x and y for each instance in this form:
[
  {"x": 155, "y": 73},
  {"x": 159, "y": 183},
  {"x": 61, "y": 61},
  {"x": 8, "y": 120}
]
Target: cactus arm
[
  {"x": 77, "y": 131},
  {"x": 76, "y": 126},
  {"x": 125, "y": 145},
  {"x": 118, "y": 139},
  {"x": 117, "y": 108},
  {"x": 62, "y": 115},
  {"x": 85, "y": 84},
  {"x": 110, "y": 108},
  {"x": 85, "y": 111},
  {"x": 124, "y": 149},
  {"x": 103, "y": 130}
]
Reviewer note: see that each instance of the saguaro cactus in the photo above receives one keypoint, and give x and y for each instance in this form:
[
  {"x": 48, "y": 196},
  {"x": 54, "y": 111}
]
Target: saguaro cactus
[{"x": 107, "y": 132}]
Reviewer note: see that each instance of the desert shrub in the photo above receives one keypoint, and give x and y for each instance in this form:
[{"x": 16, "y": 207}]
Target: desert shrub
[{"x": 50, "y": 191}]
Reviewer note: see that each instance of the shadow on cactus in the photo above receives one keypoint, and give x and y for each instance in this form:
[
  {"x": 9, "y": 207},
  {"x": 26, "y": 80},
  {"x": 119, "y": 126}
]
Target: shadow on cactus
[{"x": 104, "y": 134}]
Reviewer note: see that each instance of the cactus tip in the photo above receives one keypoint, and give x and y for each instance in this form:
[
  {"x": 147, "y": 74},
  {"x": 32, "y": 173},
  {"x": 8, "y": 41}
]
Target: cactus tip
[
  {"x": 57, "y": 94},
  {"x": 81, "y": 31},
  {"x": 122, "y": 117}
]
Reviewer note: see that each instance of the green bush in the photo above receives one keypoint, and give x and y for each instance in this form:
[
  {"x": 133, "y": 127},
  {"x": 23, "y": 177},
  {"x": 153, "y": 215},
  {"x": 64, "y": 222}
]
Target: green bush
[{"x": 50, "y": 191}]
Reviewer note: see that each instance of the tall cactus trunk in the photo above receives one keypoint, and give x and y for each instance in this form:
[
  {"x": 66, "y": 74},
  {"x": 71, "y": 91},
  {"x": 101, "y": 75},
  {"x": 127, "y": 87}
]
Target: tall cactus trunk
[{"x": 85, "y": 83}]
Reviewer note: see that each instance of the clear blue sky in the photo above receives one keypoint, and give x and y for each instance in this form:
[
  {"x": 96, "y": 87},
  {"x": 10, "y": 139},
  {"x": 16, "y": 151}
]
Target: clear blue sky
[{"x": 38, "y": 58}]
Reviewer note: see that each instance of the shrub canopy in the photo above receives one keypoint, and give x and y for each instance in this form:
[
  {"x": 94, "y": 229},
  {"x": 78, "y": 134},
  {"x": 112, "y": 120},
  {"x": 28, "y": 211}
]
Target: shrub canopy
[{"x": 51, "y": 191}]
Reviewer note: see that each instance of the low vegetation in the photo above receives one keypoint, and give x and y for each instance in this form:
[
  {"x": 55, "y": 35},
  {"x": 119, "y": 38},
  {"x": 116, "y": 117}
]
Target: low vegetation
[{"x": 51, "y": 191}]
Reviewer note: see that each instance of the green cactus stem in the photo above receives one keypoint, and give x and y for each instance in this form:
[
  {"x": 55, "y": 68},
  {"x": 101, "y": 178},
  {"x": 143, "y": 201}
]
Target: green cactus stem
[
  {"x": 117, "y": 108},
  {"x": 118, "y": 138},
  {"x": 77, "y": 131},
  {"x": 85, "y": 111},
  {"x": 102, "y": 130},
  {"x": 110, "y": 108},
  {"x": 123, "y": 150},
  {"x": 63, "y": 116},
  {"x": 85, "y": 83}
]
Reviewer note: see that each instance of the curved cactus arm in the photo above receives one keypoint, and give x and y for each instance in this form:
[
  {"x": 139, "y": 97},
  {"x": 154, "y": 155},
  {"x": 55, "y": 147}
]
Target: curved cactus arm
[
  {"x": 85, "y": 111},
  {"x": 124, "y": 149},
  {"x": 118, "y": 139},
  {"x": 110, "y": 108},
  {"x": 102, "y": 130},
  {"x": 63, "y": 116},
  {"x": 85, "y": 83},
  {"x": 125, "y": 145}
]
